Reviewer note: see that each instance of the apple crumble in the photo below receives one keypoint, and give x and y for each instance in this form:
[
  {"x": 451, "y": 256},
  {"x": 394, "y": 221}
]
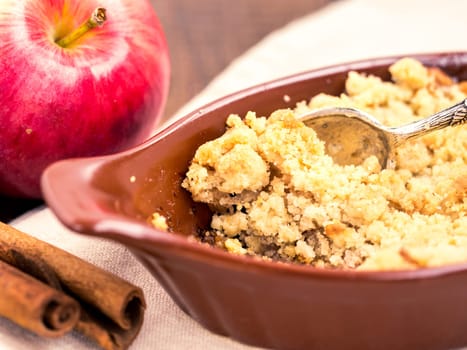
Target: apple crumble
[{"x": 276, "y": 194}]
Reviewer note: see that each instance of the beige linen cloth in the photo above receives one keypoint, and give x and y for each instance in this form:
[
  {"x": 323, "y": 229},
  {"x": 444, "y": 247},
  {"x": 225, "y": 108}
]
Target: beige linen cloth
[{"x": 345, "y": 30}]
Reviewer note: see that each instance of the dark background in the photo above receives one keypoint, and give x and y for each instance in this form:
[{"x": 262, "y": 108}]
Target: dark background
[{"x": 204, "y": 37}]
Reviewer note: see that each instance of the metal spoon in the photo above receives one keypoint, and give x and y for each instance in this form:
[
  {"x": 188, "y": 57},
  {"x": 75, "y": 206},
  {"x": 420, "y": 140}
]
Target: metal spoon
[{"x": 352, "y": 135}]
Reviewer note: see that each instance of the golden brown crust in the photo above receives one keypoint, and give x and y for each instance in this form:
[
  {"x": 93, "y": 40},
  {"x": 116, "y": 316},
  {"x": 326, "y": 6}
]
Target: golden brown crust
[{"x": 278, "y": 195}]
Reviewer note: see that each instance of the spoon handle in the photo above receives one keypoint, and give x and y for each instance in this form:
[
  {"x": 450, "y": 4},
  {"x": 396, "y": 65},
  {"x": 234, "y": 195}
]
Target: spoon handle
[{"x": 451, "y": 116}]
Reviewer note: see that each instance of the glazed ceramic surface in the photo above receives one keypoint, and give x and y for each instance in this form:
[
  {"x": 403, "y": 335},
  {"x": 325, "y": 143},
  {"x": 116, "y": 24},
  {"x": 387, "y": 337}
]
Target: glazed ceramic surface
[{"x": 262, "y": 303}]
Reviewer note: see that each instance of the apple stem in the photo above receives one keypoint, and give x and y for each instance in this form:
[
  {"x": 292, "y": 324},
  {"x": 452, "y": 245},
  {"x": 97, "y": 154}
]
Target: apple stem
[{"x": 97, "y": 19}]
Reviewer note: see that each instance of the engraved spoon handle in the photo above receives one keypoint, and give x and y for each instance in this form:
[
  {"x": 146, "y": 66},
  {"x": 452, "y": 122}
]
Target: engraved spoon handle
[{"x": 451, "y": 116}]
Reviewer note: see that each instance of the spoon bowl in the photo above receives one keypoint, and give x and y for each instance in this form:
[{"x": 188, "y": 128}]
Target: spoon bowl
[{"x": 351, "y": 135}]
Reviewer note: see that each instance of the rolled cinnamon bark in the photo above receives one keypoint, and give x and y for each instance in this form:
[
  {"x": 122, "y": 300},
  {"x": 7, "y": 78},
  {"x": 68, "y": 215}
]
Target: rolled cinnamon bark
[
  {"x": 34, "y": 305},
  {"x": 106, "y": 333},
  {"x": 97, "y": 291}
]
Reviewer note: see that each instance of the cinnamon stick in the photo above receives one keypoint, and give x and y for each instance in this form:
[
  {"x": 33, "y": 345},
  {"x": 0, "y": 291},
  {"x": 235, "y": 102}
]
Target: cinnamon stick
[
  {"x": 34, "y": 305},
  {"x": 112, "y": 308}
]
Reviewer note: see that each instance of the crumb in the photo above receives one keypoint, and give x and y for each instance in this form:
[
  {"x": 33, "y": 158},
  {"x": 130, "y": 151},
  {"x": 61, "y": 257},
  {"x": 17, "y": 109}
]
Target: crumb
[
  {"x": 234, "y": 246},
  {"x": 159, "y": 221}
]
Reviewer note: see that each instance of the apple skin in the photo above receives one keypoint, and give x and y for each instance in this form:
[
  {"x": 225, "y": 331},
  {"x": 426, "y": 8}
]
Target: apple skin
[{"x": 102, "y": 94}]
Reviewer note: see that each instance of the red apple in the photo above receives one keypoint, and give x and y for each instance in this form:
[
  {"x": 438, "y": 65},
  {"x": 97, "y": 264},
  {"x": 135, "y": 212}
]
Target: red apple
[{"x": 70, "y": 87}]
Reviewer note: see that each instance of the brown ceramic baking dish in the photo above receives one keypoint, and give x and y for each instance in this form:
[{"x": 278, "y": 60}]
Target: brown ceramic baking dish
[{"x": 267, "y": 304}]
